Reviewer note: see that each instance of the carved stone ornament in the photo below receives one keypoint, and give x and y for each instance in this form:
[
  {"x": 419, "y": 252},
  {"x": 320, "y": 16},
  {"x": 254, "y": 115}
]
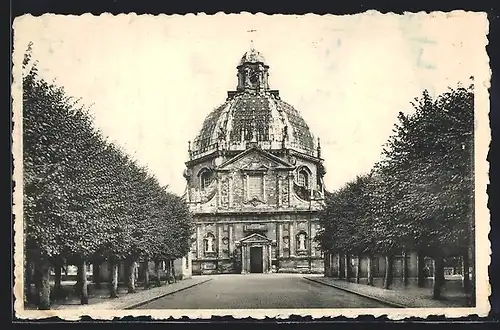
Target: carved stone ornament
[
  {"x": 217, "y": 161},
  {"x": 254, "y": 201},
  {"x": 187, "y": 174}
]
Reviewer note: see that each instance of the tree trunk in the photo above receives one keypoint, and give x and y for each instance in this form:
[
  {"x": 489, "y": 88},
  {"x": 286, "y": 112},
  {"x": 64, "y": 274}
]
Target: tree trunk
[
  {"x": 357, "y": 269},
  {"x": 82, "y": 277},
  {"x": 37, "y": 281},
  {"x": 326, "y": 262},
  {"x": 145, "y": 266},
  {"x": 472, "y": 258},
  {"x": 405, "y": 269},
  {"x": 466, "y": 273},
  {"x": 131, "y": 276},
  {"x": 43, "y": 284},
  {"x": 157, "y": 271},
  {"x": 388, "y": 272},
  {"x": 58, "y": 290},
  {"x": 96, "y": 274},
  {"x": 57, "y": 277},
  {"x": 420, "y": 269},
  {"x": 438, "y": 277},
  {"x": 346, "y": 270},
  {"x": 339, "y": 265},
  {"x": 369, "y": 269},
  {"x": 173, "y": 270},
  {"x": 28, "y": 279},
  {"x": 113, "y": 283},
  {"x": 168, "y": 265}
]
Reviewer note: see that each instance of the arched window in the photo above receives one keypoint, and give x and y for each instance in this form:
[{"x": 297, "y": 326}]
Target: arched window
[
  {"x": 209, "y": 243},
  {"x": 303, "y": 178},
  {"x": 205, "y": 178}
]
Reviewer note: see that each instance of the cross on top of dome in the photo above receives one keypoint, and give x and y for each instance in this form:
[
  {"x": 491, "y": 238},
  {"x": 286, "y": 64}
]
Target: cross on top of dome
[{"x": 252, "y": 56}]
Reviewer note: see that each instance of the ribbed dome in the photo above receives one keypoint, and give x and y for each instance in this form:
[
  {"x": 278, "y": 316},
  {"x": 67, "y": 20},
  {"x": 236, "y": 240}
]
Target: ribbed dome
[{"x": 262, "y": 118}]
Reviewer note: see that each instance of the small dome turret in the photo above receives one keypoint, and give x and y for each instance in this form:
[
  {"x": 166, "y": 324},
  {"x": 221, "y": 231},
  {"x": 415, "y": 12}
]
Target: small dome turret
[{"x": 252, "y": 56}]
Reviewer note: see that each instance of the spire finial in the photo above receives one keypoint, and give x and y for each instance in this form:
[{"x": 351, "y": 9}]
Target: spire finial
[{"x": 251, "y": 39}]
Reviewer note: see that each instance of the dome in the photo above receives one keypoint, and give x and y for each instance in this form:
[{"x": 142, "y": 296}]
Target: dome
[
  {"x": 261, "y": 118},
  {"x": 253, "y": 114}
]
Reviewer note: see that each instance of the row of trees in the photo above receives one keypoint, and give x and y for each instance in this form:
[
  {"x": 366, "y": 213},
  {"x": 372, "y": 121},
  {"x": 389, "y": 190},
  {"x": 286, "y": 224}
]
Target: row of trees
[
  {"x": 419, "y": 196},
  {"x": 85, "y": 199}
]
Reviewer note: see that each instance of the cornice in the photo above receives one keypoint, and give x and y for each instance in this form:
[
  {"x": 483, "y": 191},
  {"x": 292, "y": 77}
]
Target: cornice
[{"x": 254, "y": 212}]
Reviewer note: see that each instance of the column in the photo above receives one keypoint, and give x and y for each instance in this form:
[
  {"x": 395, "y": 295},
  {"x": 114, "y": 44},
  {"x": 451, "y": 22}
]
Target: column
[
  {"x": 269, "y": 253},
  {"x": 230, "y": 192},
  {"x": 290, "y": 188},
  {"x": 292, "y": 238},
  {"x": 247, "y": 259},
  {"x": 219, "y": 187},
  {"x": 309, "y": 238},
  {"x": 243, "y": 259},
  {"x": 279, "y": 192},
  {"x": 199, "y": 242},
  {"x": 230, "y": 238},
  {"x": 245, "y": 188},
  {"x": 309, "y": 243},
  {"x": 219, "y": 240},
  {"x": 264, "y": 187},
  {"x": 280, "y": 240}
]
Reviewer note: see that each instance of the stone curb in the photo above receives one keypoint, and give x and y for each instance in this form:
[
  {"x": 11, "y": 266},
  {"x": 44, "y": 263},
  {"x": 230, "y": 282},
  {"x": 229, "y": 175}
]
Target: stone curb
[
  {"x": 135, "y": 305},
  {"x": 381, "y": 300}
]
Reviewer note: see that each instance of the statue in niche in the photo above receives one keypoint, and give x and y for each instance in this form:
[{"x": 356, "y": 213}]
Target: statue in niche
[
  {"x": 247, "y": 71},
  {"x": 302, "y": 241},
  {"x": 285, "y": 242},
  {"x": 210, "y": 244},
  {"x": 261, "y": 73}
]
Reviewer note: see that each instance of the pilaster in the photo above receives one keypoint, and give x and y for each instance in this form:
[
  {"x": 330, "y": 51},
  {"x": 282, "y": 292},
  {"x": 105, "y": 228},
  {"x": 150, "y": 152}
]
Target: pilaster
[
  {"x": 219, "y": 240},
  {"x": 199, "y": 242},
  {"x": 292, "y": 238},
  {"x": 246, "y": 191},
  {"x": 280, "y": 193},
  {"x": 280, "y": 239},
  {"x": 231, "y": 240},
  {"x": 219, "y": 194},
  {"x": 264, "y": 187},
  {"x": 270, "y": 258},
  {"x": 230, "y": 188}
]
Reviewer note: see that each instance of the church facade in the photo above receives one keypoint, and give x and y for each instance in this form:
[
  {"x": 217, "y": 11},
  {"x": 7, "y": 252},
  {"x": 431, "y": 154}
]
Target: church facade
[{"x": 255, "y": 182}]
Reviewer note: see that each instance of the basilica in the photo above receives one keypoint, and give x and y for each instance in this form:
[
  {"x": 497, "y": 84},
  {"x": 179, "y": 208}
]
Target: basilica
[{"x": 255, "y": 182}]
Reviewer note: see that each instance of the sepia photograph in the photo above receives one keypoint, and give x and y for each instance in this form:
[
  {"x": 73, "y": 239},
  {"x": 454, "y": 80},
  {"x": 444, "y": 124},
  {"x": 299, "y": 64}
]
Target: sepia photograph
[{"x": 251, "y": 165}]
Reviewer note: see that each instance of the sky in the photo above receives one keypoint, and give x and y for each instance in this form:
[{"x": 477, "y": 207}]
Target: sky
[{"x": 151, "y": 80}]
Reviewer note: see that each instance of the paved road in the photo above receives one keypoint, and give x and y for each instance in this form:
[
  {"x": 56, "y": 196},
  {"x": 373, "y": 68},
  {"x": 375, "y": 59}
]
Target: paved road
[{"x": 261, "y": 291}]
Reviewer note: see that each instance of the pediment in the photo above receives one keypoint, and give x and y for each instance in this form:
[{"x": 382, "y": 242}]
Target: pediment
[
  {"x": 255, "y": 159},
  {"x": 256, "y": 237}
]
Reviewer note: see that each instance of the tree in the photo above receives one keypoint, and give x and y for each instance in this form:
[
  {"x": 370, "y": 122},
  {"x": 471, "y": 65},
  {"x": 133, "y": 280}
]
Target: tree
[
  {"x": 86, "y": 199},
  {"x": 419, "y": 196},
  {"x": 428, "y": 176}
]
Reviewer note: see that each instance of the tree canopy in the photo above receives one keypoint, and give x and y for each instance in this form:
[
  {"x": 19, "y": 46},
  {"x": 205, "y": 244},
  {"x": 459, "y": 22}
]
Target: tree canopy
[
  {"x": 420, "y": 194},
  {"x": 84, "y": 197}
]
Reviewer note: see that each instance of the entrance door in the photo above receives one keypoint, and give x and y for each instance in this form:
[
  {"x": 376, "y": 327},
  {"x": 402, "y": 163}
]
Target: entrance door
[{"x": 256, "y": 260}]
